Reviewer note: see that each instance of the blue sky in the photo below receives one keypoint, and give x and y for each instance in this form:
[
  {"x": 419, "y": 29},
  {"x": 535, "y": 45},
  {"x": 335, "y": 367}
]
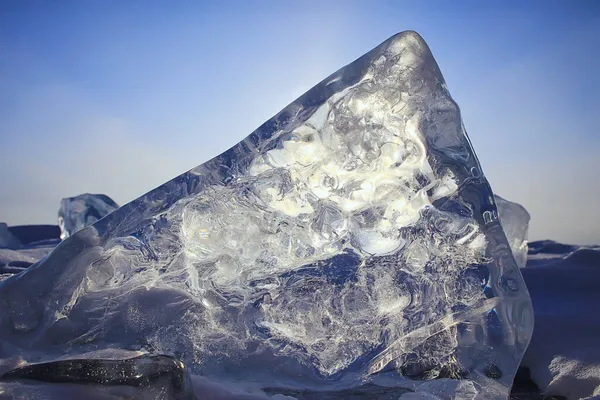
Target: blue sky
[{"x": 118, "y": 97}]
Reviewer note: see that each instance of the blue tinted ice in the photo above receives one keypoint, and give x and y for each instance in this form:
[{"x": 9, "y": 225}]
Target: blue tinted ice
[
  {"x": 351, "y": 240},
  {"x": 75, "y": 213}
]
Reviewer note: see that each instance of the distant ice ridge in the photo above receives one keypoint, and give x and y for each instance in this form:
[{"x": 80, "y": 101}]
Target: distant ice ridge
[
  {"x": 351, "y": 241},
  {"x": 515, "y": 222},
  {"x": 75, "y": 213}
]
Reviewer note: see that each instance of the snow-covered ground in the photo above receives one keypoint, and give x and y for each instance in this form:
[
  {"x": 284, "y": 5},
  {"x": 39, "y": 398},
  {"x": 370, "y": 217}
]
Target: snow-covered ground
[{"x": 564, "y": 353}]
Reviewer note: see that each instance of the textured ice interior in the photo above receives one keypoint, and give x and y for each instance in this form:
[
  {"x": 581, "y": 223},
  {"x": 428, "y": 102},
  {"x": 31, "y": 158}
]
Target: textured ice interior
[
  {"x": 515, "y": 222},
  {"x": 351, "y": 239},
  {"x": 75, "y": 213}
]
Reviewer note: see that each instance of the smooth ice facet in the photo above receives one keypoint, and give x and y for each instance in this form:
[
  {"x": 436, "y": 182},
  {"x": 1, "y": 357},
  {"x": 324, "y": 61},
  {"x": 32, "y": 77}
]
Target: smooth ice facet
[
  {"x": 75, "y": 213},
  {"x": 514, "y": 219},
  {"x": 351, "y": 241}
]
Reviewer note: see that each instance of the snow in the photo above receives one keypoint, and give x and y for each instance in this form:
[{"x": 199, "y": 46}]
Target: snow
[{"x": 564, "y": 353}]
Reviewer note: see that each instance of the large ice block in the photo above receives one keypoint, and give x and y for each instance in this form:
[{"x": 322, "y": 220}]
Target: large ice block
[
  {"x": 350, "y": 242},
  {"x": 75, "y": 213}
]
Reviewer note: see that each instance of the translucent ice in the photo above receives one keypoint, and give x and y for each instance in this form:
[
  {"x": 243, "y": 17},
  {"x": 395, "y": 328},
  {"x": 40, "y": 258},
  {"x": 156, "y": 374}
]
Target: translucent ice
[
  {"x": 350, "y": 242},
  {"x": 75, "y": 213},
  {"x": 514, "y": 219},
  {"x": 7, "y": 239}
]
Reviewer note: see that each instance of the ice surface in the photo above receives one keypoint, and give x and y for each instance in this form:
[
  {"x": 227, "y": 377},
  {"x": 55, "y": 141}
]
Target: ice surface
[
  {"x": 75, "y": 213},
  {"x": 514, "y": 219},
  {"x": 351, "y": 241}
]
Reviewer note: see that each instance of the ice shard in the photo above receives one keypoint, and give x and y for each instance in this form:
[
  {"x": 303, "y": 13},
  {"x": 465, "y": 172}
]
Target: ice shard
[
  {"x": 7, "y": 239},
  {"x": 514, "y": 219},
  {"x": 351, "y": 241},
  {"x": 75, "y": 213}
]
